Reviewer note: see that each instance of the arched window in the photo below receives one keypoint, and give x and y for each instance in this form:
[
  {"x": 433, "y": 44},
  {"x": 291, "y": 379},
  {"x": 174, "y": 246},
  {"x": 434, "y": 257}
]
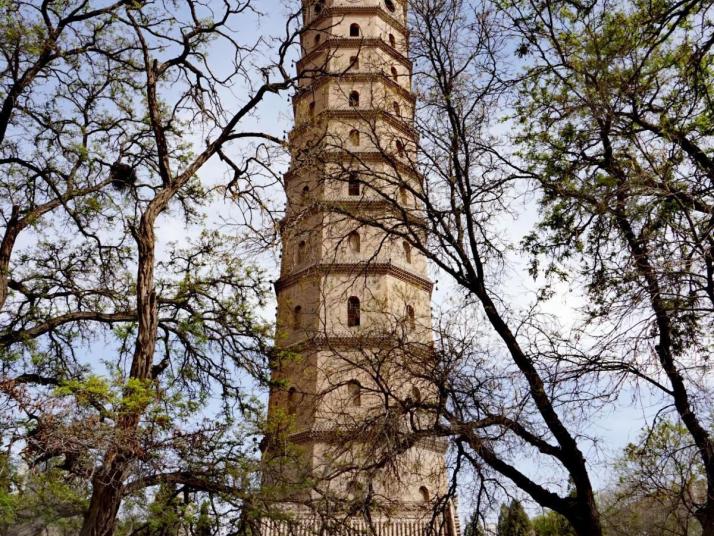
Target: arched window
[
  {"x": 292, "y": 401},
  {"x": 397, "y": 109},
  {"x": 354, "y": 62},
  {"x": 354, "y": 30},
  {"x": 318, "y": 38},
  {"x": 319, "y": 7},
  {"x": 297, "y": 317},
  {"x": 407, "y": 252},
  {"x": 403, "y": 196},
  {"x": 400, "y": 147},
  {"x": 300, "y": 255},
  {"x": 311, "y": 109},
  {"x": 305, "y": 190},
  {"x": 395, "y": 74},
  {"x": 411, "y": 318},
  {"x": 390, "y": 5},
  {"x": 354, "y": 99},
  {"x": 353, "y": 312},
  {"x": 353, "y": 240},
  {"x": 353, "y": 184},
  {"x": 392, "y": 41},
  {"x": 354, "y": 392},
  {"x": 424, "y": 492},
  {"x": 354, "y": 137}
]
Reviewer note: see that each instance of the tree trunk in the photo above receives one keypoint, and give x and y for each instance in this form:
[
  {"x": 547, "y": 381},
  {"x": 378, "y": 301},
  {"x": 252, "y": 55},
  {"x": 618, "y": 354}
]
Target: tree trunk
[
  {"x": 587, "y": 523},
  {"x": 6, "y": 246},
  {"x": 107, "y": 492},
  {"x": 108, "y": 484},
  {"x": 705, "y": 516},
  {"x": 588, "y": 528}
]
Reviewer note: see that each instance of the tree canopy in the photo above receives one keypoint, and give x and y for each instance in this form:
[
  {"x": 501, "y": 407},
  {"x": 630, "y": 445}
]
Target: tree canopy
[
  {"x": 131, "y": 340},
  {"x": 513, "y": 520}
]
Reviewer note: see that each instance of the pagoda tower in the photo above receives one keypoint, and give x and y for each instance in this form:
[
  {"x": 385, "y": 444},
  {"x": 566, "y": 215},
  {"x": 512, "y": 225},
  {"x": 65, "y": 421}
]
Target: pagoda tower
[{"x": 354, "y": 300}]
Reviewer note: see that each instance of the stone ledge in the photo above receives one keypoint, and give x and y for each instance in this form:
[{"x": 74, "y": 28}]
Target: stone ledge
[
  {"x": 359, "y": 269},
  {"x": 354, "y": 77},
  {"x": 364, "y": 114},
  {"x": 353, "y": 42},
  {"x": 358, "y": 10},
  {"x": 435, "y": 444}
]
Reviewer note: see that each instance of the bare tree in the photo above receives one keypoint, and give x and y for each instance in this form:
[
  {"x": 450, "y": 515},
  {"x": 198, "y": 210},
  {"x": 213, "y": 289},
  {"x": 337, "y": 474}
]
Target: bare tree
[
  {"x": 613, "y": 130},
  {"x": 616, "y": 129},
  {"x": 111, "y": 349}
]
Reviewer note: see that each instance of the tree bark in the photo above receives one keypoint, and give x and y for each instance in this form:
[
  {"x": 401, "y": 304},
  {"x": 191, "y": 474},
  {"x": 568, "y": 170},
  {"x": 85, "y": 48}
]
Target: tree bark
[
  {"x": 107, "y": 493},
  {"x": 108, "y": 483},
  {"x": 6, "y": 247},
  {"x": 705, "y": 516}
]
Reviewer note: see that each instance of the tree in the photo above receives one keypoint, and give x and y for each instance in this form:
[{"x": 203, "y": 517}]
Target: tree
[
  {"x": 552, "y": 524},
  {"x": 474, "y": 527},
  {"x": 660, "y": 483},
  {"x": 497, "y": 367},
  {"x": 204, "y": 525},
  {"x": 114, "y": 340},
  {"x": 616, "y": 126},
  {"x": 37, "y": 499},
  {"x": 513, "y": 521},
  {"x": 166, "y": 514}
]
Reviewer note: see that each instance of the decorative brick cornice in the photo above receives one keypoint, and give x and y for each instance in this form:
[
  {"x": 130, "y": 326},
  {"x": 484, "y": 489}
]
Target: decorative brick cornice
[
  {"x": 358, "y": 113},
  {"x": 355, "y": 210},
  {"x": 349, "y": 207},
  {"x": 356, "y": 269},
  {"x": 353, "y": 77},
  {"x": 353, "y": 42},
  {"x": 374, "y": 343},
  {"x": 360, "y": 156},
  {"x": 334, "y": 436},
  {"x": 342, "y": 11},
  {"x": 347, "y": 339}
]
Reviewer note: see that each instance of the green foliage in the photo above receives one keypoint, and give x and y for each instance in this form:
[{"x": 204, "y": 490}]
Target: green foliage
[
  {"x": 204, "y": 526},
  {"x": 42, "y": 495},
  {"x": 552, "y": 524},
  {"x": 474, "y": 527},
  {"x": 167, "y": 515},
  {"x": 90, "y": 390},
  {"x": 93, "y": 391},
  {"x": 621, "y": 113},
  {"x": 7, "y": 498},
  {"x": 660, "y": 482},
  {"x": 513, "y": 521}
]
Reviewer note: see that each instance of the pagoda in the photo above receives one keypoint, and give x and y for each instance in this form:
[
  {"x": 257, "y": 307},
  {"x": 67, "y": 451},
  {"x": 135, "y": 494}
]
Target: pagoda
[{"x": 354, "y": 300}]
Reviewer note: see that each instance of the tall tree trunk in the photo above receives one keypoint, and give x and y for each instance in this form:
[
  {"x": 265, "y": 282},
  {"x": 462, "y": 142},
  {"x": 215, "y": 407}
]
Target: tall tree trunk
[
  {"x": 108, "y": 484},
  {"x": 705, "y": 515},
  {"x": 588, "y": 528},
  {"x": 107, "y": 492},
  {"x": 6, "y": 247}
]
